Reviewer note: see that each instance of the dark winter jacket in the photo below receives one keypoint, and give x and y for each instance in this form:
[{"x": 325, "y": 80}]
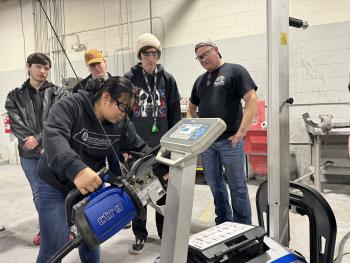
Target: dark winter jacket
[
  {"x": 74, "y": 140},
  {"x": 24, "y": 119}
]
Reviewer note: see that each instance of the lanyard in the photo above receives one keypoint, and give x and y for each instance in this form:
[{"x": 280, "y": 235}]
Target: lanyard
[
  {"x": 153, "y": 96},
  {"x": 151, "y": 91}
]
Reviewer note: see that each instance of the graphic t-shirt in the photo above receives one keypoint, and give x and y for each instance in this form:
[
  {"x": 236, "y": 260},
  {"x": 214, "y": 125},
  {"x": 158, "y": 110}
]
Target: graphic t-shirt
[{"x": 218, "y": 95}]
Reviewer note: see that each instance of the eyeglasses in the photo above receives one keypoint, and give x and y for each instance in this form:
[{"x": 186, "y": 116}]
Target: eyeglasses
[
  {"x": 40, "y": 67},
  {"x": 122, "y": 106},
  {"x": 204, "y": 55},
  {"x": 150, "y": 54}
]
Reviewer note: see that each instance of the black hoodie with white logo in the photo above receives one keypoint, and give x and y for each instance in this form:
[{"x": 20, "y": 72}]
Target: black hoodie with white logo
[
  {"x": 164, "y": 105},
  {"x": 74, "y": 139}
]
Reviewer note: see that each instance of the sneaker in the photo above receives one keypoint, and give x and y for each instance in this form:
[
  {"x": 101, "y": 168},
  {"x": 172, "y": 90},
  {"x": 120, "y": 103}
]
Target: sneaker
[
  {"x": 157, "y": 260},
  {"x": 136, "y": 247},
  {"x": 37, "y": 239}
]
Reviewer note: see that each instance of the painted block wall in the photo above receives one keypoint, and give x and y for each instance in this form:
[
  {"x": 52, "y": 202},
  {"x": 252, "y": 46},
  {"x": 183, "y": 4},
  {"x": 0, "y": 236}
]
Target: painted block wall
[{"x": 319, "y": 56}]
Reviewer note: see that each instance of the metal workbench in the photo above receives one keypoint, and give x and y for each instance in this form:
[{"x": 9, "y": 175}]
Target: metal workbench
[{"x": 329, "y": 150}]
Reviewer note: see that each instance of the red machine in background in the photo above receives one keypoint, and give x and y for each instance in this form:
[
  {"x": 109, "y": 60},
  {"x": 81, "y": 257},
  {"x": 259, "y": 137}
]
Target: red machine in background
[
  {"x": 255, "y": 142},
  {"x": 7, "y": 127}
]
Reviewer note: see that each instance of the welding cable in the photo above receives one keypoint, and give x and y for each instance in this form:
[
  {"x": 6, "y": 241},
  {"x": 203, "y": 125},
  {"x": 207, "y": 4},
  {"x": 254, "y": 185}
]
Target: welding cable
[{"x": 125, "y": 121}]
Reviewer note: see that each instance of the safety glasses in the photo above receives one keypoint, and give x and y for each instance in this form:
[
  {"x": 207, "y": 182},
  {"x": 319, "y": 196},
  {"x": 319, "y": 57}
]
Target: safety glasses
[{"x": 204, "y": 55}]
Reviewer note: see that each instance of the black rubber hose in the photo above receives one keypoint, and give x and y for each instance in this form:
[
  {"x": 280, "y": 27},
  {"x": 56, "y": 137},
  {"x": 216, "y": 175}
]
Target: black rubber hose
[
  {"x": 60, "y": 254},
  {"x": 141, "y": 213}
]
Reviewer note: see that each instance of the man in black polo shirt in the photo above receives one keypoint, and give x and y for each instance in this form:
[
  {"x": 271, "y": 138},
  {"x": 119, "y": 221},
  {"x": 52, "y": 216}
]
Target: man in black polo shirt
[{"x": 217, "y": 93}]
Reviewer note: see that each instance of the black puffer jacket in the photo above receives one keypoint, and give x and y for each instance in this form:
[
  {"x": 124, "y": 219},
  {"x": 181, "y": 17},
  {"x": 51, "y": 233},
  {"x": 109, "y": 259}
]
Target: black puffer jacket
[{"x": 23, "y": 120}]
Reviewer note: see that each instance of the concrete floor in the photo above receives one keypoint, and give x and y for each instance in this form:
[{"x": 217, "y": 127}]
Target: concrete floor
[{"x": 19, "y": 217}]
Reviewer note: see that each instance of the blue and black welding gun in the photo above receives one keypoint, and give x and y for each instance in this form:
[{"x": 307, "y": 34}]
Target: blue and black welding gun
[{"x": 103, "y": 213}]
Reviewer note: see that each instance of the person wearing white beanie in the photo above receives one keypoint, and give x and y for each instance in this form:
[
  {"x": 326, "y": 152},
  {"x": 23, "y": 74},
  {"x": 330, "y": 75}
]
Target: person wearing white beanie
[
  {"x": 156, "y": 110},
  {"x": 147, "y": 40}
]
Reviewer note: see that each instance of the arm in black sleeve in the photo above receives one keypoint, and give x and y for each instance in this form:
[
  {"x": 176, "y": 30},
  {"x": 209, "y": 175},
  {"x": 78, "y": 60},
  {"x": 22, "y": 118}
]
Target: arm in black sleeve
[
  {"x": 18, "y": 127},
  {"x": 174, "y": 115},
  {"x": 60, "y": 156},
  {"x": 113, "y": 164},
  {"x": 131, "y": 141},
  {"x": 194, "y": 98},
  {"x": 39, "y": 137},
  {"x": 77, "y": 87},
  {"x": 59, "y": 93},
  {"x": 81, "y": 84},
  {"x": 173, "y": 100},
  {"x": 128, "y": 75},
  {"x": 244, "y": 81}
]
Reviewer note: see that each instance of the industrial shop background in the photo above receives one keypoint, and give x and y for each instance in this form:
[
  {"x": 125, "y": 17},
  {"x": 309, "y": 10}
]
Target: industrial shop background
[{"x": 319, "y": 56}]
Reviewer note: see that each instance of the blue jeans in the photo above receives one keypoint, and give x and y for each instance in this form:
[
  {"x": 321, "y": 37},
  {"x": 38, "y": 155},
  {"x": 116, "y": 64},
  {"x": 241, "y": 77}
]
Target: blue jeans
[
  {"x": 223, "y": 154},
  {"x": 54, "y": 229},
  {"x": 29, "y": 167}
]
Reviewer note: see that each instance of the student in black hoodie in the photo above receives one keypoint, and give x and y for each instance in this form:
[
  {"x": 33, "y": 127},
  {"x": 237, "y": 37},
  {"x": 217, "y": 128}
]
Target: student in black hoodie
[
  {"x": 76, "y": 147},
  {"x": 156, "y": 110}
]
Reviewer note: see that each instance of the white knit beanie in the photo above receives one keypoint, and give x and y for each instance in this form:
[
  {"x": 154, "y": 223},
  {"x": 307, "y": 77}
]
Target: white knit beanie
[{"x": 147, "y": 40}]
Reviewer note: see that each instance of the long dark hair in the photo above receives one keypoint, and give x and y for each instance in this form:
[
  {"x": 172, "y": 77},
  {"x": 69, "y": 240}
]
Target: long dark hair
[{"x": 115, "y": 86}]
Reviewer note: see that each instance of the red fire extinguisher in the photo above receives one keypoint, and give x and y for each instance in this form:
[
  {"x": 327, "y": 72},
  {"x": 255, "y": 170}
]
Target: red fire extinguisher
[{"x": 7, "y": 124}]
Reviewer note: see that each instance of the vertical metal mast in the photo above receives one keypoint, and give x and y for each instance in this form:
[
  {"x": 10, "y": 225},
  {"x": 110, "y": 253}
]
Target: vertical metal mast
[{"x": 278, "y": 119}]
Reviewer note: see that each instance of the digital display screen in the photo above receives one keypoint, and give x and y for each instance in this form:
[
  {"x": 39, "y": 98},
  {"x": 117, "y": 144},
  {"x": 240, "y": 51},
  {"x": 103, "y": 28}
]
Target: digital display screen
[{"x": 190, "y": 131}]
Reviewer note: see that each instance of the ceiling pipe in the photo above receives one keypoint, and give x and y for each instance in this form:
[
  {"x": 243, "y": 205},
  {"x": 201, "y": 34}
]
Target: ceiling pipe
[{"x": 150, "y": 16}]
